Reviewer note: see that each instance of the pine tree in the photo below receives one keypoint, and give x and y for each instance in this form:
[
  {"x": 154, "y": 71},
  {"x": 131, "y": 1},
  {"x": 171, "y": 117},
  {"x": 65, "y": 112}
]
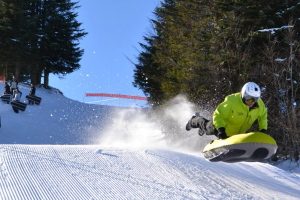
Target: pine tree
[
  {"x": 147, "y": 74},
  {"x": 182, "y": 28},
  {"x": 59, "y": 44},
  {"x": 5, "y": 26},
  {"x": 39, "y": 36},
  {"x": 13, "y": 30}
]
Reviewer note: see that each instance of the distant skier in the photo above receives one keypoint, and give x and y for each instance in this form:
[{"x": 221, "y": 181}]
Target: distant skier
[
  {"x": 7, "y": 88},
  {"x": 17, "y": 94},
  {"x": 31, "y": 93},
  {"x": 13, "y": 85},
  {"x": 32, "y": 90},
  {"x": 235, "y": 115},
  {"x": 16, "y": 98}
]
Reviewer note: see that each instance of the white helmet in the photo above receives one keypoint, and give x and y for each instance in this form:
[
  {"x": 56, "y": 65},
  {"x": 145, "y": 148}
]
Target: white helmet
[{"x": 251, "y": 91}]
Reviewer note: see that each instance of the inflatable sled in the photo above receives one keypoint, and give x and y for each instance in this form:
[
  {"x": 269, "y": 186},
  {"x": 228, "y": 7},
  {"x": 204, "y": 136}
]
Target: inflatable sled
[
  {"x": 251, "y": 147},
  {"x": 17, "y": 105},
  {"x": 34, "y": 99},
  {"x": 6, "y": 98}
]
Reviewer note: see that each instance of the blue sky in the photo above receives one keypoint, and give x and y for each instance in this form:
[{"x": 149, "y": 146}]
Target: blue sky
[{"x": 114, "y": 30}]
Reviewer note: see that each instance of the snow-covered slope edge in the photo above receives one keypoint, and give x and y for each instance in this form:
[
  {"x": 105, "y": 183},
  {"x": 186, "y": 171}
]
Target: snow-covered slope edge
[{"x": 57, "y": 120}]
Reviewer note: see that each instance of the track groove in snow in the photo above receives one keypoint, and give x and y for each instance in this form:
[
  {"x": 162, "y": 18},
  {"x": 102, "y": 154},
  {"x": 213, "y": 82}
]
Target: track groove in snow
[
  {"x": 214, "y": 182},
  {"x": 88, "y": 172}
]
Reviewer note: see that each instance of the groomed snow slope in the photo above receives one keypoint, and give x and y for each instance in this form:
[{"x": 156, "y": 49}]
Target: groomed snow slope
[
  {"x": 89, "y": 172},
  {"x": 101, "y": 161}
]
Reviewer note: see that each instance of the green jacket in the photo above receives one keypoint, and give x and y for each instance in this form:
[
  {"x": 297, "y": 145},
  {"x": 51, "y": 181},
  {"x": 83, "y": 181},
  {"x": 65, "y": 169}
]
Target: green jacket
[{"x": 236, "y": 117}]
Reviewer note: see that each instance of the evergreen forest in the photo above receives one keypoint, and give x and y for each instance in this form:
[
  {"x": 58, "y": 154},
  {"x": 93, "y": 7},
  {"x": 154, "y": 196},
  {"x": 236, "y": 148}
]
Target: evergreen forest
[{"x": 39, "y": 37}]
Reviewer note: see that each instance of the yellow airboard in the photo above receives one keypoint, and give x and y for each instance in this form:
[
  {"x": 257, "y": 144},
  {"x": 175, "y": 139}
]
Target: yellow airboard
[{"x": 252, "y": 137}]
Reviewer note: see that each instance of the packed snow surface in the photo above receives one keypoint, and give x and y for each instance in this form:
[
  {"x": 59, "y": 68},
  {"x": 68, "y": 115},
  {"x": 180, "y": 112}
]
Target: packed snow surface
[{"x": 63, "y": 149}]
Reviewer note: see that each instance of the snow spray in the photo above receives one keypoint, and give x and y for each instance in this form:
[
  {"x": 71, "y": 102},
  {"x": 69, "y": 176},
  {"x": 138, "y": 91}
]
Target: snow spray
[{"x": 155, "y": 128}]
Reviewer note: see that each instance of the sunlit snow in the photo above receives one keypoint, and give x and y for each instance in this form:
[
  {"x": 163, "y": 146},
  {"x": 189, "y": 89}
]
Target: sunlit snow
[{"x": 63, "y": 149}]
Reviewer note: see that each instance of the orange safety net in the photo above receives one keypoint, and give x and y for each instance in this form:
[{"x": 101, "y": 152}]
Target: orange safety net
[{"x": 124, "y": 96}]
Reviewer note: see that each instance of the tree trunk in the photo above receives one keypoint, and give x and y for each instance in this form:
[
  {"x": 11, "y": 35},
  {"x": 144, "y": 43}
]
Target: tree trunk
[
  {"x": 17, "y": 71},
  {"x": 46, "y": 78},
  {"x": 36, "y": 76}
]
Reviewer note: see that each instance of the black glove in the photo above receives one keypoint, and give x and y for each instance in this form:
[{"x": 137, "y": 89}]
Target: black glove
[
  {"x": 263, "y": 130},
  {"x": 221, "y": 133}
]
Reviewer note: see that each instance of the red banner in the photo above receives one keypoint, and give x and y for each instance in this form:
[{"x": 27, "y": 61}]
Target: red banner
[{"x": 124, "y": 96}]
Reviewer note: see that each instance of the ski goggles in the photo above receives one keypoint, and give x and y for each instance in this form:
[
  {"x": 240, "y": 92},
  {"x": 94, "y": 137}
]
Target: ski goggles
[{"x": 250, "y": 99}]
